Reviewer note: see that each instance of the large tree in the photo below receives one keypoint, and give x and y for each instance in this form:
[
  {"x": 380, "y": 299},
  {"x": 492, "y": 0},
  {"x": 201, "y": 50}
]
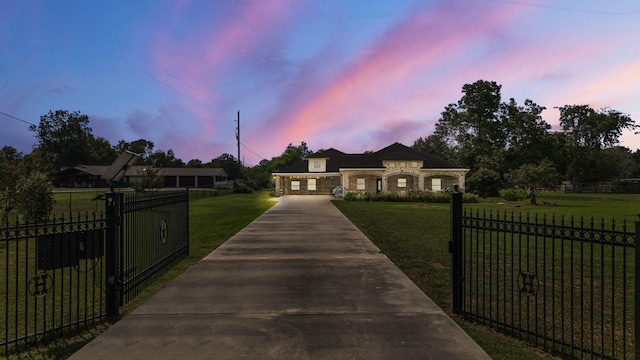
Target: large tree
[
  {"x": 229, "y": 164},
  {"x": 526, "y": 133},
  {"x": 471, "y": 127},
  {"x": 434, "y": 145},
  {"x": 160, "y": 159},
  {"x": 64, "y": 139},
  {"x": 142, "y": 147},
  {"x": 591, "y": 131},
  {"x": 102, "y": 152}
]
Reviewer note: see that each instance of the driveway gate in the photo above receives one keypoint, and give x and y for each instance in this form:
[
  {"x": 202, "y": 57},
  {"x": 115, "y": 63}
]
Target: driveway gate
[
  {"x": 567, "y": 285},
  {"x": 153, "y": 235},
  {"x": 71, "y": 272}
]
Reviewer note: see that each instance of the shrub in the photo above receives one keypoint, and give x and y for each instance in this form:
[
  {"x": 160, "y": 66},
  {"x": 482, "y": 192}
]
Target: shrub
[
  {"x": 34, "y": 197},
  {"x": 241, "y": 188},
  {"x": 513, "y": 194},
  {"x": 408, "y": 196}
]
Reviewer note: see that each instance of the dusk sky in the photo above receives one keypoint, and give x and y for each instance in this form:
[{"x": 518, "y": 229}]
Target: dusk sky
[{"x": 354, "y": 75}]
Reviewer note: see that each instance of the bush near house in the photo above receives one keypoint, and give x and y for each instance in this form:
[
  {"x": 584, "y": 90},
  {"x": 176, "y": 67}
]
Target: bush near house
[{"x": 408, "y": 196}]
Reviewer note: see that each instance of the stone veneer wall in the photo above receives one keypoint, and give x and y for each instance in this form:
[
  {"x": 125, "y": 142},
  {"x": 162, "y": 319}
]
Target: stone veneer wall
[
  {"x": 392, "y": 182},
  {"x": 370, "y": 182}
]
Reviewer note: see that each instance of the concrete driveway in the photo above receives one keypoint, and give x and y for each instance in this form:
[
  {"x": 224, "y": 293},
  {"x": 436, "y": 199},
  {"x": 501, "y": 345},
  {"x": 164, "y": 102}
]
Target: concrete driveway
[{"x": 300, "y": 282}]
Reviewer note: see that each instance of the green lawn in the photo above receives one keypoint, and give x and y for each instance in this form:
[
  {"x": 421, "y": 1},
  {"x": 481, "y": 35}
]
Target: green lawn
[{"x": 415, "y": 237}]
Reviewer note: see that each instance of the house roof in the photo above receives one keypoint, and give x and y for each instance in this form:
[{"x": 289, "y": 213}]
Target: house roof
[
  {"x": 337, "y": 160},
  {"x": 98, "y": 170}
]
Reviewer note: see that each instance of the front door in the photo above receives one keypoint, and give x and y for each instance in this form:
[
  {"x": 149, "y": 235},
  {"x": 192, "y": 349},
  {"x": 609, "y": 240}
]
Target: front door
[{"x": 378, "y": 185}]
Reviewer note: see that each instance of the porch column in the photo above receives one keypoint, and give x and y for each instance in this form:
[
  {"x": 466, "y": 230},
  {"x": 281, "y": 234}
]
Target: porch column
[{"x": 421, "y": 182}]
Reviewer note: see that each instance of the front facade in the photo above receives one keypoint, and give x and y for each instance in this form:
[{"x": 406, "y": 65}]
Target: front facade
[{"x": 394, "y": 168}]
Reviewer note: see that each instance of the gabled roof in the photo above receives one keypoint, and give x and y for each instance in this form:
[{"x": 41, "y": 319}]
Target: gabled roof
[
  {"x": 397, "y": 151},
  {"x": 327, "y": 154},
  {"x": 337, "y": 160},
  {"x": 98, "y": 170}
]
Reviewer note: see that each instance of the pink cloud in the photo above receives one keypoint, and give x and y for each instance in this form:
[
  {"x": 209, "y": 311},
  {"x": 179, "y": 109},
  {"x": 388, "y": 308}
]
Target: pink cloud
[
  {"x": 203, "y": 61},
  {"x": 379, "y": 80}
]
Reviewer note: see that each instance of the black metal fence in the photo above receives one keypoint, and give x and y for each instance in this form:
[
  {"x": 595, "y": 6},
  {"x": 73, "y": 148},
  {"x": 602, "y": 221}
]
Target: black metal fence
[
  {"x": 565, "y": 285},
  {"x": 155, "y": 236},
  {"x": 72, "y": 272},
  {"x": 52, "y": 277}
]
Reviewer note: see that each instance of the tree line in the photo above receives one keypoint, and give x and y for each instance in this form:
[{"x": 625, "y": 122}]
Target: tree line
[
  {"x": 503, "y": 143},
  {"x": 509, "y": 145}
]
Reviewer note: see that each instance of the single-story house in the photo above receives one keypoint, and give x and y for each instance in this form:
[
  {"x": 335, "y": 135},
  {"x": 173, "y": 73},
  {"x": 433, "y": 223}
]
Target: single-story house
[
  {"x": 83, "y": 176},
  {"x": 395, "y": 168}
]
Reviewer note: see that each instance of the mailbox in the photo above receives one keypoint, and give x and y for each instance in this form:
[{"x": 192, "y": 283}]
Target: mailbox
[{"x": 66, "y": 249}]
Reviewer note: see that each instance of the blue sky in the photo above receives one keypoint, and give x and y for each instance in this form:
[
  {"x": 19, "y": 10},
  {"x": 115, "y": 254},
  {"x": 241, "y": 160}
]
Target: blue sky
[{"x": 354, "y": 75}]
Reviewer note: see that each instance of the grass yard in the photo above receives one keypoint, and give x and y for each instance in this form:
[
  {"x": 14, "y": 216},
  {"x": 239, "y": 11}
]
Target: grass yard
[{"x": 415, "y": 237}]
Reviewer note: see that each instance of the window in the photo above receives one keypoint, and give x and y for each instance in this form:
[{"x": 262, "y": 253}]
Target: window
[
  {"x": 402, "y": 182},
  {"x": 311, "y": 184},
  {"x": 360, "y": 184},
  {"x": 317, "y": 164},
  {"x": 436, "y": 184},
  {"x": 295, "y": 185}
]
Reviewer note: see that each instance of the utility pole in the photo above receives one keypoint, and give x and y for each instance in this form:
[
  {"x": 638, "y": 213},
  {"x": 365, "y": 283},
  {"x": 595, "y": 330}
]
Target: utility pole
[{"x": 238, "y": 137}]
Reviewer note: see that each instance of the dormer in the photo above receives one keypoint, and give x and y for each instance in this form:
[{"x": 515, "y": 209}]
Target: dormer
[{"x": 317, "y": 164}]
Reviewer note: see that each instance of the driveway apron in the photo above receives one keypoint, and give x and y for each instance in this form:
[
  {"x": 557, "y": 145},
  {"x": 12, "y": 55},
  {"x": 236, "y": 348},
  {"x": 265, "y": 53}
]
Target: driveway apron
[{"x": 299, "y": 282}]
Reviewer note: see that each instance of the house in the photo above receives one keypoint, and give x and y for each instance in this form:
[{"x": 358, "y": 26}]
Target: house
[
  {"x": 83, "y": 176},
  {"x": 395, "y": 168}
]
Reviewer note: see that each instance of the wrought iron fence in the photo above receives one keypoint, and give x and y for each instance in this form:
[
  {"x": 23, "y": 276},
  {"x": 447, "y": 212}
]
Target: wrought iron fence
[
  {"x": 52, "y": 277},
  {"x": 154, "y": 237},
  {"x": 566, "y": 285},
  {"x": 76, "y": 271}
]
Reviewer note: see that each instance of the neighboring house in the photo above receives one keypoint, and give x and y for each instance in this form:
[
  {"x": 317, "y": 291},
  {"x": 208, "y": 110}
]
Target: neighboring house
[
  {"x": 83, "y": 176},
  {"x": 394, "y": 168}
]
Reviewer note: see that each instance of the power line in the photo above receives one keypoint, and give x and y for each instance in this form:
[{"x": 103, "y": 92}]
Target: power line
[
  {"x": 17, "y": 118},
  {"x": 253, "y": 152},
  {"x": 551, "y": 7}
]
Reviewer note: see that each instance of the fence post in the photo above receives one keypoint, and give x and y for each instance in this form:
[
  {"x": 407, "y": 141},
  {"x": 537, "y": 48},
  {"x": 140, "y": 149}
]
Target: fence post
[
  {"x": 455, "y": 248},
  {"x": 112, "y": 260},
  {"x": 637, "y": 288}
]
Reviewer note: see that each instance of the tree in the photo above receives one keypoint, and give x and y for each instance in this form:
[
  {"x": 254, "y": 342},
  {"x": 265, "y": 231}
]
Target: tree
[
  {"x": 591, "y": 131},
  {"x": 614, "y": 163},
  {"x": 160, "y": 159},
  {"x": 228, "y": 163},
  {"x": 10, "y": 170},
  {"x": 434, "y": 145},
  {"x": 34, "y": 198},
  {"x": 526, "y": 133},
  {"x": 149, "y": 179},
  {"x": 102, "y": 152},
  {"x": 471, "y": 127},
  {"x": 485, "y": 182},
  {"x": 535, "y": 177},
  {"x": 64, "y": 139},
  {"x": 142, "y": 147},
  {"x": 194, "y": 163}
]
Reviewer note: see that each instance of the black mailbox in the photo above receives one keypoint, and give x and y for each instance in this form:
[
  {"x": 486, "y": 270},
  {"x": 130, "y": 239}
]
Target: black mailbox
[
  {"x": 66, "y": 249},
  {"x": 90, "y": 244}
]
